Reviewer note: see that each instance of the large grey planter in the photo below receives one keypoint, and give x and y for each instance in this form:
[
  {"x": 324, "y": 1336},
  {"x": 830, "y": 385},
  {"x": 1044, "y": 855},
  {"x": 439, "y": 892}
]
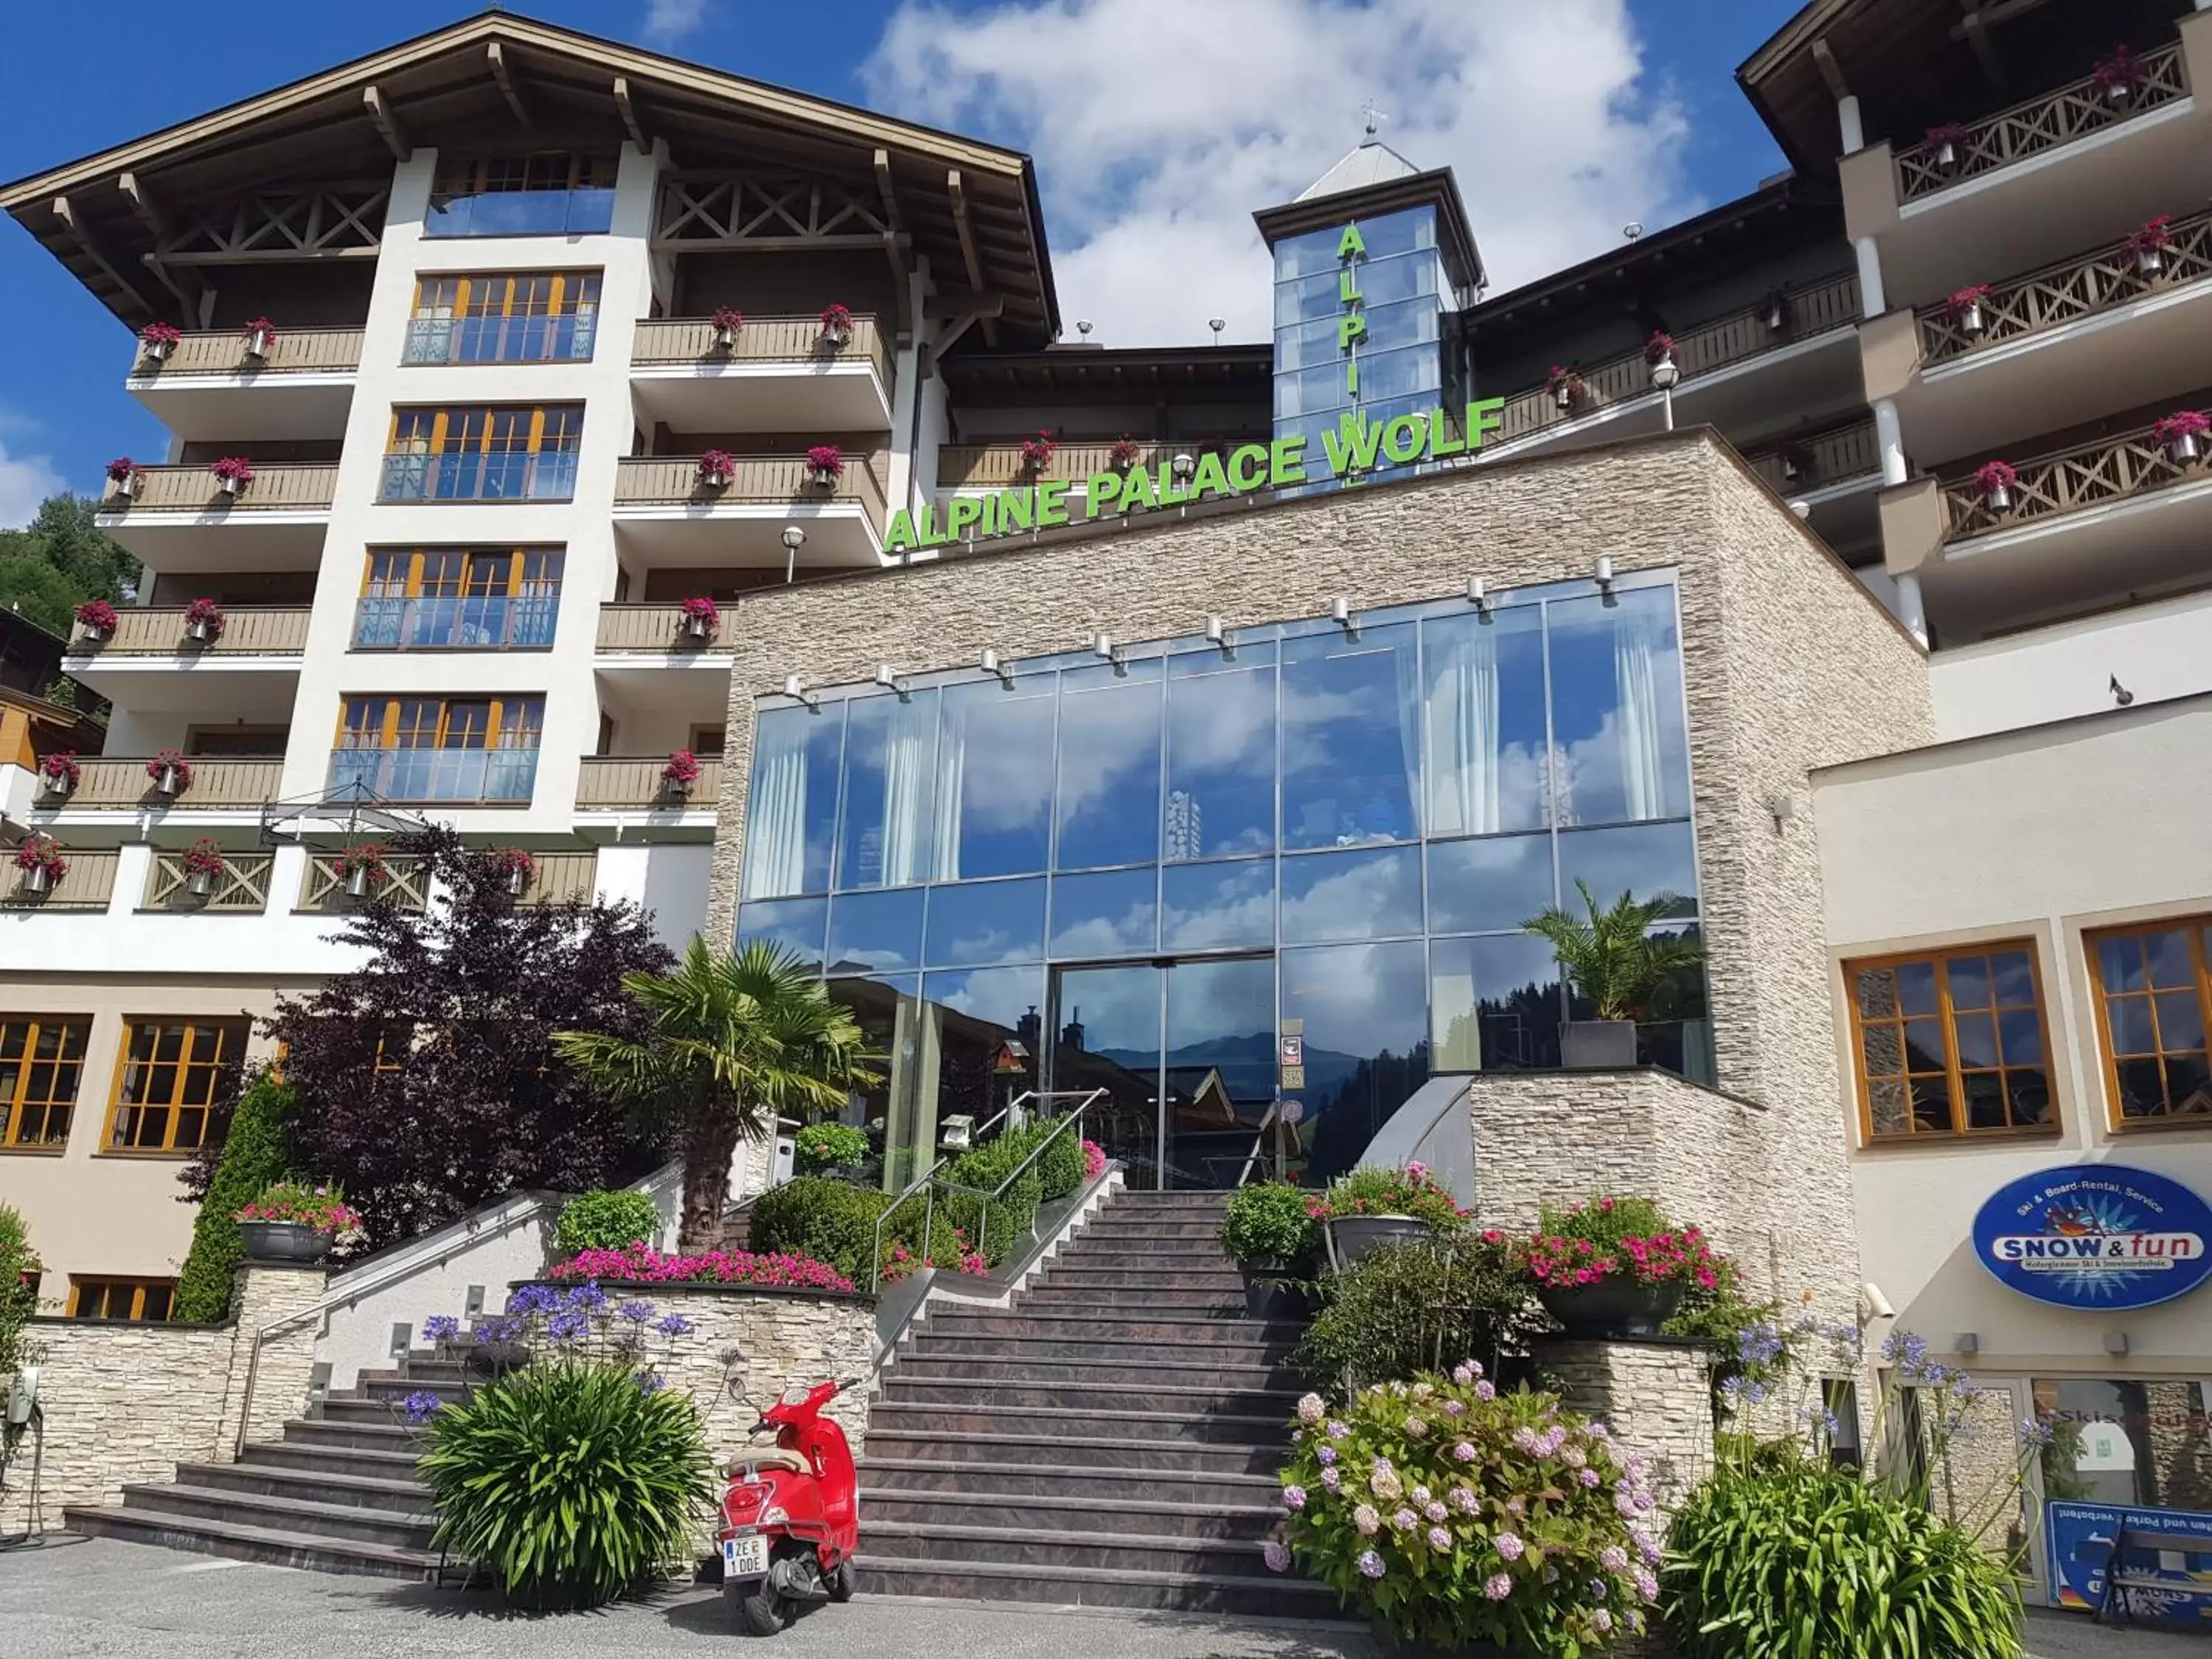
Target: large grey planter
[
  {"x": 1596, "y": 1045},
  {"x": 284, "y": 1241},
  {"x": 1350, "y": 1237}
]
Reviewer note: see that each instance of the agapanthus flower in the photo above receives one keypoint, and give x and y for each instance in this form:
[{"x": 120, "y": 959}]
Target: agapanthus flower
[
  {"x": 674, "y": 1325},
  {"x": 422, "y": 1405},
  {"x": 1371, "y": 1564},
  {"x": 1294, "y": 1498},
  {"x": 1276, "y": 1556},
  {"x": 650, "y": 1381},
  {"x": 441, "y": 1327},
  {"x": 1310, "y": 1408},
  {"x": 1366, "y": 1520},
  {"x": 1499, "y": 1586},
  {"x": 637, "y": 1312},
  {"x": 1510, "y": 1546},
  {"x": 1439, "y": 1539}
]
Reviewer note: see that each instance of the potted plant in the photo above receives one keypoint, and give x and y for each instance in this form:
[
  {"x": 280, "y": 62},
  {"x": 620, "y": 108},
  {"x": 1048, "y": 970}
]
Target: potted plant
[
  {"x": 2181, "y": 433},
  {"x": 1659, "y": 348},
  {"x": 124, "y": 475},
  {"x": 836, "y": 325},
  {"x": 40, "y": 857},
  {"x": 260, "y": 335},
  {"x": 1269, "y": 1234},
  {"x": 1566, "y": 387},
  {"x": 1125, "y": 453},
  {"x": 1615, "y": 1268},
  {"x": 2149, "y": 242},
  {"x": 729, "y": 321},
  {"x": 232, "y": 474},
  {"x": 716, "y": 468},
  {"x": 157, "y": 340},
  {"x": 203, "y": 863},
  {"x": 97, "y": 618},
  {"x": 291, "y": 1222},
  {"x": 362, "y": 869},
  {"x": 1777, "y": 310},
  {"x": 1615, "y": 963},
  {"x": 516, "y": 868},
  {"x": 1995, "y": 480},
  {"x": 203, "y": 621},
  {"x": 1038, "y": 452},
  {"x": 2118, "y": 77},
  {"x": 171, "y": 772},
  {"x": 60, "y": 772},
  {"x": 701, "y": 619},
  {"x": 825, "y": 464},
  {"x": 1797, "y": 463},
  {"x": 1944, "y": 141},
  {"x": 1372, "y": 1206},
  {"x": 1965, "y": 306},
  {"x": 679, "y": 774}
]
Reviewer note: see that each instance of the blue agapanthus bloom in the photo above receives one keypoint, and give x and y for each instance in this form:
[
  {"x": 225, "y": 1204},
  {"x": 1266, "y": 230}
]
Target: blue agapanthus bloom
[
  {"x": 570, "y": 1327},
  {"x": 650, "y": 1381},
  {"x": 422, "y": 1405},
  {"x": 498, "y": 1330},
  {"x": 637, "y": 1312},
  {"x": 441, "y": 1327},
  {"x": 588, "y": 1296},
  {"x": 533, "y": 1299},
  {"x": 674, "y": 1325}
]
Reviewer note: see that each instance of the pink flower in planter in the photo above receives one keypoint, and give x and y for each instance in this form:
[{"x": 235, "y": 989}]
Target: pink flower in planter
[{"x": 1995, "y": 477}]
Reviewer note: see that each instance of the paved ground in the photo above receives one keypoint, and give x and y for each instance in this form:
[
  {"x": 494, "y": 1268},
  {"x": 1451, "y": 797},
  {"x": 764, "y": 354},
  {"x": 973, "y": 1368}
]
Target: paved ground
[{"x": 74, "y": 1598}]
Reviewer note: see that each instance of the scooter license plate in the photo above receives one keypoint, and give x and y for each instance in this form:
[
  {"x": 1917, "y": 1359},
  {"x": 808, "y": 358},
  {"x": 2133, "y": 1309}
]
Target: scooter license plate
[{"x": 744, "y": 1558}]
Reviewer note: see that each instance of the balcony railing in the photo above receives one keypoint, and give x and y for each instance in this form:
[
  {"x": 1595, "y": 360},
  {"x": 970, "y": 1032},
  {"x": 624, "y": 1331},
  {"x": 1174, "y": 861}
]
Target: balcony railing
[
  {"x": 761, "y": 340},
  {"x": 1816, "y": 462},
  {"x": 659, "y": 628},
  {"x": 2040, "y": 124},
  {"x": 585, "y": 211},
  {"x": 777, "y": 480},
  {"x": 1000, "y": 465},
  {"x": 222, "y": 351},
  {"x": 564, "y": 339},
  {"x": 548, "y": 475},
  {"x": 633, "y": 783},
  {"x": 557, "y": 877},
  {"x": 239, "y": 887},
  {"x": 87, "y": 885},
  {"x": 160, "y": 632},
  {"x": 497, "y": 621},
  {"x": 277, "y": 486},
  {"x": 322, "y": 888},
  {"x": 219, "y": 783},
  {"x": 2061, "y": 294},
  {"x": 2088, "y": 474},
  {"x": 1818, "y": 308},
  {"x": 496, "y": 777}
]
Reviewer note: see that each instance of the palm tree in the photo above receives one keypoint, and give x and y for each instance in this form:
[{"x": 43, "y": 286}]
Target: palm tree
[
  {"x": 738, "y": 1042},
  {"x": 1611, "y": 955}
]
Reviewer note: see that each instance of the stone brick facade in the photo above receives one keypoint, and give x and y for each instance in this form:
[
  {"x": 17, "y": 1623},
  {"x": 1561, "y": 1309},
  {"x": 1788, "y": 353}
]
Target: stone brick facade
[{"x": 1655, "y": 1397}]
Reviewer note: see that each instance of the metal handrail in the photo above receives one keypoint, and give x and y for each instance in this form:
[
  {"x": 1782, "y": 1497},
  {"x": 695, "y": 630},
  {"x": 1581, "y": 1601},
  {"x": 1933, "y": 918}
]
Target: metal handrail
[
  {"x": 929, "y": 1224},
  {"x": 1082, "y": 1105},
  {"x": 1271, "y": 1119}
]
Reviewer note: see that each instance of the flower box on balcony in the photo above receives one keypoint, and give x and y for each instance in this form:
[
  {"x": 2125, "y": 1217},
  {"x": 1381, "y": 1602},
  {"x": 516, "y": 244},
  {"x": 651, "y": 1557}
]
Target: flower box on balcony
[
  {"x": 204, "y": 863},
  {"x": 679, "y": 774},
  {"x": 232, "y": 474},
  {"x": 729, "y": 323},
  {"x": 1125, "y": 453},
  {"x": 260, "y": 335},
  {"x": 60, "y": 773},
  {"x": 717, "y": 467},
  {"x": 1038, "y": 452},
  {"x": 2149, "y": 242},
  {"x": 97, "y": 618},
  {"x": 1943, "y": 145},
  {"x": 516, "y": 869},
  {"x": 1996, "y": 479},
  {"x": 836, "y": 326},
  {"x": 1566, "y": 387},
  {"x": 1965, "y": 306},
  {"x": 825, "y": 464},
  {"x": 203, "y": 622},
  {"x": 40, "y": 857},
  {"x": 2118, "y": 77},
  {"x": 362, "y": 870},
  {"x": 2182, "y": 435},
  {"x": 124, "y": 475},
  {"x": 171, "y": 772},
  {"x": 157, "y": 340},
  {"x": 701, "y": 619}
]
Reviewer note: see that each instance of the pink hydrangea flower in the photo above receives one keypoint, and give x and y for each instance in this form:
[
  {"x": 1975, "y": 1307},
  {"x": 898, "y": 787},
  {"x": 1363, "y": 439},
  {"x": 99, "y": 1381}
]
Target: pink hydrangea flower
[
  {"x": 1366, "y": 1520},
  {"x": 1371, "y": 1564},
  {"x": 1601, "y": 1621},
  {"x": 1499, "y": 1586},
  {"x": 1464, "y": 1451},
  {"x": 1416, "y": 1427},
  {"x": 1647, "y": 1587},
  {"x": 1587, "y": 1477},
  {"x": 1454, "y": 1408},
  {"x": 1485, "y": 1391},
  {"x": 1330, "y": 1479},
  {"x": 1463, "y": 1500},
  {"x": 1613, "y": 1559},
  {"x": 1327, "y": 1456},
  {"x": 1337, "y": 1431},
  {"x": 1294, "y": 1498},
  {"x": 1510, "y": 1546},
  {"x": 1436, "y": 1511},
  {"x": 1310, "y": 1408},
  {"x": 1277, "y": 1557},
  {"x": 1439, "y": 1539},
  {"x": 1462, "y": 1374}
]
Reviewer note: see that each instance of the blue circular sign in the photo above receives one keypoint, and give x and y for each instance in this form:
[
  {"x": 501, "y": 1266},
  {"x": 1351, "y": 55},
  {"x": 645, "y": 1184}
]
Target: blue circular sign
[{"x": 2097, "y": 1236}]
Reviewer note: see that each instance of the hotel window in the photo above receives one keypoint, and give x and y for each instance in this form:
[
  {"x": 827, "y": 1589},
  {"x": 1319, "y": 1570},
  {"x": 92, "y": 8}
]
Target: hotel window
[
  {"x": 512, "y": 453},
  {"x": 2153, "y": 999},
  {"x": 177, "y": 1084},
  {"x": 41, "y": 1063},
  {"x": 439, "y": 748},
  {"x": 533, "y": 316},
  {"x": 1951, "y": 1045},
  {"x": 458, "y": 599},
  {"x": 551, "y": 193},
  {"x": 146, "y": 1300}
]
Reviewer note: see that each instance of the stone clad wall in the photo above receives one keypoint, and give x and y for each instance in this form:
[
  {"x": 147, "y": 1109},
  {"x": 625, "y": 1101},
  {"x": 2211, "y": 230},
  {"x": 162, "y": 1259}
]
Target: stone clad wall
[{"x": 1654, "y": 1397}]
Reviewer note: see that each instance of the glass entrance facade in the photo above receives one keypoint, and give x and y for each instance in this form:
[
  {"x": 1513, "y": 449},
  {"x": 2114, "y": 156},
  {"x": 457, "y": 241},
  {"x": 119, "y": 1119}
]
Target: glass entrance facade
[{"x": 1126, "y": 875}]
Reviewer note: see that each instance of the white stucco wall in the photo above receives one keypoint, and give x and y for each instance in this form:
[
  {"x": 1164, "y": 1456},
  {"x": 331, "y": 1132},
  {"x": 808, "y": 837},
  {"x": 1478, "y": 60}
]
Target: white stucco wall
[{"x": 2156, "y": 652}]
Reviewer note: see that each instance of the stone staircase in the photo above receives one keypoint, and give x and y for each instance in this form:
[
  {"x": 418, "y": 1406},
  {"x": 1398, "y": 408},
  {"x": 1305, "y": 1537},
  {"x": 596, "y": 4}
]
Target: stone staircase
[
  {"x": 337, "y": 1493},
  {"x": 1112, "y": 1440}
]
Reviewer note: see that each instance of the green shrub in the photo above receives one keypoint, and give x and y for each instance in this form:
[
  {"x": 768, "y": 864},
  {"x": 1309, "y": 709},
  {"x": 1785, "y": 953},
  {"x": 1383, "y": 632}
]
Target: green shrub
[
  {"x": 18, "y": 1300},
  {"x": 1269, "y": 1223},
  {"x": 982, "y": 1170},
  {"x": 256, "y": 1155},
  {"x": 606, "y": 1220},
  {"x": 821, "y": 1147},
  {"x": 575, "y": 1482},
  {"x": 1410, "y": 1307},
  {"x": 1060, "y": 1168},
  {"x": 829, "y": 1220},
  {"x": 1792, "y": 1557}
]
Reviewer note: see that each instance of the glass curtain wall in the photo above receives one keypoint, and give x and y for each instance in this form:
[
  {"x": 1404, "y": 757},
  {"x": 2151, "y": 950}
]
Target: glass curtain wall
[{"x": 1014, "y": 883}]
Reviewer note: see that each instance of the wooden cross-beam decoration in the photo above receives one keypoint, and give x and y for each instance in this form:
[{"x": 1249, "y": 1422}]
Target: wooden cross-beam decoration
[{"x": 896, "y": 248}]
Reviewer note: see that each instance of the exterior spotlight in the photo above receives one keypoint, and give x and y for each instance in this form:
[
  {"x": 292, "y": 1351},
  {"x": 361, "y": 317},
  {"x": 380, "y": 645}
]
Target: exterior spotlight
[
  {"x": 1341, "y": 613},
  {"x": 1004, "y": 671},
  {"x": 1183, "y": 468},
  {"x": 1220, "y": 636},
  {"x": 1478, "y": 595},
  {"x": 1601, "y": 574},
  {"x": 1666, "y": 375},
  {"x": 1632, "y": 229},
  {"x": 793, "y": 539},
  {"x": 795, "y": 689},
  {"x": 1217, "y": 324},
  {"x": 1104, "y": 648},
  {"x": 2121, "y": 695},
  {"x": 1083, "y": 327},
  {"x": 892, "y": 680}
]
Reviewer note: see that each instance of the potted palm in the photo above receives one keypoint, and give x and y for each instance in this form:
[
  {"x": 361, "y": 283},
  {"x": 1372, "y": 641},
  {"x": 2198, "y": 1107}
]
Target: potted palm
[
  {"x": 1270, "y": 1234},
  {"x": 291, "y": 1222},
  {"x": 157, "y": 340},
  {"x": 123, "y": 477},
  {"x": 825, "y": 464},
  {"x": 203, "y": 621},
  {"x": 2181, "y": 435},
  {"x": 60, "y": 772},
  {"x": 516, "y": 868},
  {"x": 204, "y": 863},
  {"x": 728, "y": 322},
  {"x": 97, "y": 618},
  {"x": 1615, "y": 1268},
  {"x": 1616, "y": 963},
  {"x": 171, "y": 772},
  {"x": 362, "y": 869},
  {"x": 1371, "y": 1207},
  {"x": 40, "y": 857},
  {"x": 232, "y": 474},
  {"x": 260, "y": 335},
  {"x": 701, "y": 619}
]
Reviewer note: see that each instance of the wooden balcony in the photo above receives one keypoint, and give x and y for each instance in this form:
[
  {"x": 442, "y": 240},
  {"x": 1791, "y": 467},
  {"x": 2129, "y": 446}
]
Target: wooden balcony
[
  {"x": 278, "y": 487},
  {"x": 240, "y": 888},
  {"x": 220, "y": 784},
  {"x": 763, "y": 341},
  {"x": 779, "y": 481},
  {"x": 160, "y": 632},
  {"x": 1819, "y": 461},
  {"x": 1000, "y": 465},
  {"x": 88, "y": 885},
  {"x": 322, "y": 888},
  {"x": 632, "y": 783},
  {"x": 2094, "y": 474},
  {"x": 222, "y": 351},
  {"x": 650, "y": 628},
  {"x": 558, "y": 878},
  {"x": 2040, "y": 124}
]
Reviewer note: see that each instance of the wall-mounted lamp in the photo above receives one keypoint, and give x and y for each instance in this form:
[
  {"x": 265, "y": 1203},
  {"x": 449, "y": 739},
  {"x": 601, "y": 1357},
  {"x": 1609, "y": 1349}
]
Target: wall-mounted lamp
[
  {"x": 793, "y": 539},
  {"x": 1478, "y": 595},
  {"x": 1104, "y": 648},
  {"x": 1784, "y": 807},
  {"x": 1004, "y": 671},
  {"x": 1666, "y": 374},
  {"x": 1966, "y": 1342},
  {"x": 1873, "y": 1304},
  {"x": 1601, "y": 574},
  {"x": 892, "y": 680},
  {"x": 2121, "y": 695},
  {"x": 1341, "y": 613},
  {"x": 795, "y": 689},
  {"x": 1217, "y": 324},
  {"x": 1183, "y": 469},
  {"x": 2116, "y": 1343},
  {"x": 1221, "y": 636},
  {"x": 1803, "y": 509}
]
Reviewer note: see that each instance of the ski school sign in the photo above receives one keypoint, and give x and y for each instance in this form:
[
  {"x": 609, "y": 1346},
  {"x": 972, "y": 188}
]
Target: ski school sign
[
  {"x": 1356, "y": 447},
  {"x": 2096, "y": 1236}
]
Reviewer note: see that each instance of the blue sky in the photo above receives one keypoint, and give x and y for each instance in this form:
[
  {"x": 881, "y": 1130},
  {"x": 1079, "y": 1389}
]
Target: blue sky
[{"x": 1565, "y": 120}]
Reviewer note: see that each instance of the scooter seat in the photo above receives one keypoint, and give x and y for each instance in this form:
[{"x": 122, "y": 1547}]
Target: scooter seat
[{"x": 772, "y": 1457}]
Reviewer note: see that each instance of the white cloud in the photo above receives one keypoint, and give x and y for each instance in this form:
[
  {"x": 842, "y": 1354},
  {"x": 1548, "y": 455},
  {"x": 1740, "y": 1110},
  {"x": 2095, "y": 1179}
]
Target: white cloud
[
  {"x": 667, "y": 21},
  {"x": 25, "y": 481},
  {"x": 1159, "y": 125}
]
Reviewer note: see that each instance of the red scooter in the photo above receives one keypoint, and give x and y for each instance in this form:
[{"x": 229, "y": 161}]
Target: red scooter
[{"x": 790, "y": 1513}]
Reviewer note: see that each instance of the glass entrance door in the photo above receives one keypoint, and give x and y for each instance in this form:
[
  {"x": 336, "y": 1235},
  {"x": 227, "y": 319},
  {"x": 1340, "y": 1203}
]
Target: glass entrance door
[{"x": 1185, "y": 1054}]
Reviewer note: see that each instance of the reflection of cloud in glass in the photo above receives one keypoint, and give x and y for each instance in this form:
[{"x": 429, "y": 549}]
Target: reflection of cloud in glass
[
  {"x": 1357, "y": 999},
  {"x": 1213, "y": 906},
  {"x": 1352, "y": 896},
  {"x": 1108, "y": 740},
  {"x": 1003, "y": 752}
]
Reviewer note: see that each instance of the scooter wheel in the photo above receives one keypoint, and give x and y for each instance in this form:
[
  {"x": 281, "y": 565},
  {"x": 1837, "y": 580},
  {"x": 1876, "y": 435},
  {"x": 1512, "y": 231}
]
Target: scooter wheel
[
  {"x": 763, "y": 1613},
  {"x": 840, "y": 1583}
]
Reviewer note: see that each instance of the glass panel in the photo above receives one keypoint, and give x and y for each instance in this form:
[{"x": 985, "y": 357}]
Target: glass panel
[
  {"x": 1218, "y": 907},
  {"x": 797, "y": 924},
  {"x": 1366, "y": 1043},
  {"x": 1883, "y": 1046},
  {"x": 970, "y": 1021},
  {"x": 1221, "y": 763},
  {"x": 1113, "y": 914},
  {"x": 2170, "y": 963},
  {"x": 2128, "y": 1442},
  {"x": 1876, "y": 991},
  {"x": 1372, "y": 894},
  {"x": 875, "y": 933},
  {"x": 1109, "y": 774},
  {"x": 1482, "y": 721},
  {"x": 1643, "y": 861},
  {"x": 1350, "y": 739},
  {"x": 1494, "y": 1004},
  {"x": 979, "y": 923},
  {"x": 1489, "y": 886},
  {"x": 886, "y": 1011},
  {"x": 1106, "y": 1024},
  {"x": 2187, "y": 1086},
  {"x": 2023, "y": 1036},
  {"x": 1619, "y": 749},
  {"x": 2132, "y": 1031},
  {"x": 791, "y": 813},
  {"x": 993, "y": 782},
  {"x": 2180, "y": 1021},
  {"x": 1985, "y": 1101},
  {"x": 2015, "y": 979},
  {"x": 1923, "y": 1044},
  {"x": 2120, "y": 964},
  {"x": 1886, "y": 1106},
  {"x": 2142, "y": 1088},
  {"x": 1916, "y": 986},
  {"x": 1931, "y": 1104},
  {"x": 2031, "y": 1095},
  {"x": 1976, "y": 1037},
  {"x": 883, "y": 839},
  {"x": 1220, "y": 1071},
  {"x": 1970, "y": 981}
]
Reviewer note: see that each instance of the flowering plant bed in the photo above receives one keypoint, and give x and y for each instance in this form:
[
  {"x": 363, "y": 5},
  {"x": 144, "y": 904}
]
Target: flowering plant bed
[
  {"x": 1454, "y": 1515},
  {"x": 901, "y": 1263},
  {"x": 1408, "y": 1192},
  {"x": 1615, "y": 1265},
  {"x": 516, "y": 867},
  {"x": 322, "y": 1208},
  {"x": 682, "y": 771},
  {"x": 204, "y": 858},
  {"x": 642, "y": 1264},
  {"x": 717, "y": 467},
  {"x": 171, "y": 772},
  {"x": 61, "y": 771},
  {"x": 1094, "y": 1161}
]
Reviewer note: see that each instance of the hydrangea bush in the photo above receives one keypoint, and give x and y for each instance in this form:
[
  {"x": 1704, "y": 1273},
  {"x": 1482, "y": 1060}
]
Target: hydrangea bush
[{"x": 1454, "y": 1514}]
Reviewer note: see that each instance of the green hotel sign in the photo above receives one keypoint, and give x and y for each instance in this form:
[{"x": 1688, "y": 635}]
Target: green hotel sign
[{"x": 1356, "y": 447}]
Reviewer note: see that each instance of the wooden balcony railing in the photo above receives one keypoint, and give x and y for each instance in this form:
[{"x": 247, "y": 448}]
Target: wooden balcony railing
[
  {"x": 1000, "y": 465},
  {"x": 2063, "y": 293},
  {"x": 219, "y": 783},
  {"x": 633, "y": 783},
  {"x": 796, "y": 340},
  {"x": 222, "y": 351},
  {"x": 2088, "y": 474},
  {"x": 1818, "y": 308},
  {"x": 1823, "y": 458},
  {"x": 777, "y": 480},
  {"x": 88, "y": 885},
  {"x": 277, "y": 486},
  {"x": 324, "y": 888},
  {"x": 650, "y": 628},
  {"x": 242, "y": 885},
  {"x": 2040, "y": 124},
  {"x": 160, "y": 632},
  {"x": 560, "y": 876}
]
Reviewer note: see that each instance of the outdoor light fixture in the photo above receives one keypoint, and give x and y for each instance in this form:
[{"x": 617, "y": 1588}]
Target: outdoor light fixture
[
  {"x": 795, "y": 689},
  {"x": 1184, "y": 469},
  {"x": 793, "y": 539},
  {"x": 892, "y": 680},
  {"x": 1217, "y": 324},
  {"x": 1083, "y": 327},
  {"x": 1104, "y": 648},
  {"x": 1966, "y": 1342},
  {"x": 1632, "y": 229},
  {"x": 2116, "y": 1343},
  {"x": 1601, "y": 574},
  {"x": 1004, "y": 671},
  {"x": 1873, "y": 1304},
  {"x": 1782, "y": 808},
  {"x": 1341, "y": 613},
  {"x": 1666, "y": 374},
  {"x": 1220, "y": 636},
  {"x": 1478, "y": 595},
  {"x": 2121, "y": 695}
]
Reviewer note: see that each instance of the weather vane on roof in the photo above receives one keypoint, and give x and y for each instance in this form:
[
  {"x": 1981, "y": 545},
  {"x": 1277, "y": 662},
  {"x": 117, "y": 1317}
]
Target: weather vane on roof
[{"x": 1375, "y": 117}]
